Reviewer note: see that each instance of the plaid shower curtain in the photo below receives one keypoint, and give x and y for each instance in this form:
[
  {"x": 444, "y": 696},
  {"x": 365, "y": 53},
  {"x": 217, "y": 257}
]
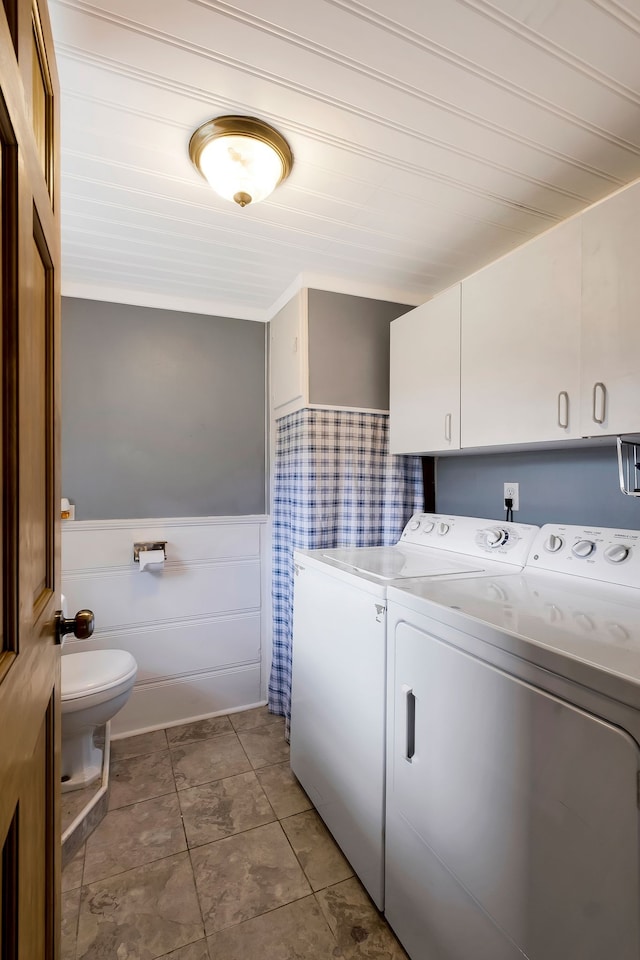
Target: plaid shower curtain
[{"x": 335, "y": 485}]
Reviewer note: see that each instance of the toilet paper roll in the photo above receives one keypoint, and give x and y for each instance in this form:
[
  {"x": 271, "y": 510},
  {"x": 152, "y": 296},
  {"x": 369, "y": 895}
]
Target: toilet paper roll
[{"x": 151, "y": 558}]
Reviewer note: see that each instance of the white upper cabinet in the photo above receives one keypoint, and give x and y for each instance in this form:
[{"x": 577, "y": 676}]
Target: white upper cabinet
[
  {"x": 611, "y": 316},
  {"x": 521, "y": 320},
  {"x": 424, "y": 387}
]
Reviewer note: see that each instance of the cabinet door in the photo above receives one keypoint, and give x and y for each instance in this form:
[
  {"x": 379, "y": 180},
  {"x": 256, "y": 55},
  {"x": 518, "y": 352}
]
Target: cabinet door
[
  {"x": 611, "y": 316},
  {"x": 521, "y": 344},
  {"x": 424, "y": 387},
  {"x": 288, "y": 358}
]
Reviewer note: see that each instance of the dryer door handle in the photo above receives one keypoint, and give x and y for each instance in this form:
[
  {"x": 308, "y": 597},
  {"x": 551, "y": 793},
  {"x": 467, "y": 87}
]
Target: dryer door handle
[{"x": 410, "y": 705}]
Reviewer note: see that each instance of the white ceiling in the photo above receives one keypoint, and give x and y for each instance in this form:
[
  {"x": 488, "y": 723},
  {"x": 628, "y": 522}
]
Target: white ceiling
[{"x": 429, "y": 137}]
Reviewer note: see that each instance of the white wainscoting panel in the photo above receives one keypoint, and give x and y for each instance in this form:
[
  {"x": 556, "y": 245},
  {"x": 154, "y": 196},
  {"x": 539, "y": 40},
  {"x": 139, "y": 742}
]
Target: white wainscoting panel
[{"x": 197, "y": 627}]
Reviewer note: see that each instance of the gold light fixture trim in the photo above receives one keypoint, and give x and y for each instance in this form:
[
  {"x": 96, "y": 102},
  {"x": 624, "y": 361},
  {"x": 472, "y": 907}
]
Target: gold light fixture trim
[{"x": 242, "y": 158}]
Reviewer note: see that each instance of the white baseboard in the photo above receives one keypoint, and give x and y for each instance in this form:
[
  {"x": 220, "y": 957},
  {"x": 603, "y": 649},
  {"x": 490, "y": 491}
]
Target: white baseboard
[{"x": 168, "y": 703}]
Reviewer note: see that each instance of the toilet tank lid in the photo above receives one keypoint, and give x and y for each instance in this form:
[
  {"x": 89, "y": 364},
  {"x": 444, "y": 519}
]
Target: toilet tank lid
[{"x": 84, "y": 673}]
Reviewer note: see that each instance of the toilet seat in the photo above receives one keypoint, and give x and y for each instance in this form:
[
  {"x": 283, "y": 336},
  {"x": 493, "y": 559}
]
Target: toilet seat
[{"x": 95, "y": 672}]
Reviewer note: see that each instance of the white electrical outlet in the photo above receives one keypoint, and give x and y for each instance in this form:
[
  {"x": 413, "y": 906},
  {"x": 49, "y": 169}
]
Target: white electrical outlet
[{"x": 512, "y": 491}]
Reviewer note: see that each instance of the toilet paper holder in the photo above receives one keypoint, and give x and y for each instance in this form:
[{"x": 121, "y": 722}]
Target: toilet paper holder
[{"x": 150, "y": 545}]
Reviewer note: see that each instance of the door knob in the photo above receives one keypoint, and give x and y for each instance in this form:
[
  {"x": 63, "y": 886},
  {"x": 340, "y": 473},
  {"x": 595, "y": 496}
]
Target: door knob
[{"x": 81, "y": 626}]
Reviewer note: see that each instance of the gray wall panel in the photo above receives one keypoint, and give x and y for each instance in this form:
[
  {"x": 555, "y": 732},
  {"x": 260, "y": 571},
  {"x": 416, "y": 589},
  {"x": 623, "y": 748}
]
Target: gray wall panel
[
  {"x": 163, "y": 413},
  {"x": 349, "y": 349},
  {"x": 579, "y": 485}
]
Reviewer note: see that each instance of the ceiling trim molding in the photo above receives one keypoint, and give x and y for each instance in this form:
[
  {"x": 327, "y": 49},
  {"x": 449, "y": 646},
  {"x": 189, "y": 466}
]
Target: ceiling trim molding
[
  {"x": 220, "y": 308},
  {"x": 159, "y": 301},
  {"x": 354, "y": 288}
]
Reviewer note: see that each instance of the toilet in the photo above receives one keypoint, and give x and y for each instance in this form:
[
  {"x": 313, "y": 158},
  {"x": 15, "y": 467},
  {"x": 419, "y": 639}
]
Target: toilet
[{"x": 95, "y": 686}]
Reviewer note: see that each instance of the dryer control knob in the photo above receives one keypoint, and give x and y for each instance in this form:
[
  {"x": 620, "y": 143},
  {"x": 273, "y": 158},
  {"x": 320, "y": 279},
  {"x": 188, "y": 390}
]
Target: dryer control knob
[
  {"x": 617, "y": 552},
  {"x": 414, "y": 525},
  {"x": 495, "y": 537},
  {"x": 553, "y": 543},
  {"x": 428, "y": 526},
  {"x": 443, "y": 528},
  {"x": 583, "y": 548}
]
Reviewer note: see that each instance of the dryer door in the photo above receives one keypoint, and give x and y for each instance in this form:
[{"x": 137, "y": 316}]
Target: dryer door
[{"x": 514, "y": 825}]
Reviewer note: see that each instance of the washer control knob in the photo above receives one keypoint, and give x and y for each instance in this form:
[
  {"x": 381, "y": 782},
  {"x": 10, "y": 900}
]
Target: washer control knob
[
  {"x": 617, "y": 552},
  {"x": 443, "y": 528},
  {"x": 414, "y": 525},
  {"x": 583, "y": 548},
  {"x": 495, "y": 537},
  {"x": 428, "y": 526},
  {"x": 553, "y": 543}
]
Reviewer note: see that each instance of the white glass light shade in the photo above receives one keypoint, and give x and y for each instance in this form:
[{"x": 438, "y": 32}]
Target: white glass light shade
[
  {"x": 241, "y": 165},
  {"x": 243, "y": 158}
]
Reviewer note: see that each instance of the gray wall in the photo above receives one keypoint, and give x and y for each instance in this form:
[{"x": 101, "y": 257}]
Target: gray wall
[
  {"x": 349, "y": 349},
  {"x": 579, "y": 485},
  {"x": 163, "y": 413}
]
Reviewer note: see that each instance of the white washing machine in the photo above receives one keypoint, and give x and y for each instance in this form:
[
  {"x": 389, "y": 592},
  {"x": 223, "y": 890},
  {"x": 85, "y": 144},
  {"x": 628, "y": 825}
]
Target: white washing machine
[
  {"x": 512, "y": 824},
  {"x": 338, "y": 709}
]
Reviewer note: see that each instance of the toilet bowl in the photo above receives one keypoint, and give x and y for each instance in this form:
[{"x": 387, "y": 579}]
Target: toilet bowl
[{"x": 95, "y": 686}]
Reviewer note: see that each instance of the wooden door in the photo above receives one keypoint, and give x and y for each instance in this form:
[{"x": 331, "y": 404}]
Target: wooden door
[{"x": 29, "y": 657}]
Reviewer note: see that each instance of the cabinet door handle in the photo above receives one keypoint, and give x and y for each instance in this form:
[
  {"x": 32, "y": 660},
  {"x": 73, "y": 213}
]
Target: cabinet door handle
[
  {"x": 447, "y": 428},
  {"x": 563, "y": 421},
  {"x": 603, "y": 393},
  {"x": 410, "y": 706}
]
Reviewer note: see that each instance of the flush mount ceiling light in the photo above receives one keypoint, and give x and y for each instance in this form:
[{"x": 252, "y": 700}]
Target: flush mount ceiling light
[{"x": 243, "y": 159}]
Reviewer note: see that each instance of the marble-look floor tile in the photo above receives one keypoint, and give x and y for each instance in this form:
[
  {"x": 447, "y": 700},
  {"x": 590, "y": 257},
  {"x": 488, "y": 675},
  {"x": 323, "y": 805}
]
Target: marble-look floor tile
[
  {"x": 219, "y": 809},
  {"x": 144, "y": 913},
  {"x": 285, "y": 794},
  {"x": 256, "y": 717},
  {"x": 265, "y": 745},
  {"x": 138, "y": 746},
  {"x": 207, "y": 760},
  {"x": 140, "y": 778},
  {"x": 361, "y": 932},
  {"x": 246, "y": 875},
  {"x": 133, "y": 835},
  {"x": 297, "y": 931},
  {"x": 194, "y": 951},
  {"x": 317, "y": 851},
  {"x": 72, "y": 873},
  {"x": 199, "y": 730},
  {"x": 69, "y": 932}
]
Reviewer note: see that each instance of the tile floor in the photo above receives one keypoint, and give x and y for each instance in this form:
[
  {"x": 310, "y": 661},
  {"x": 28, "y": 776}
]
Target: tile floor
[{"x": 211, "y": 851}]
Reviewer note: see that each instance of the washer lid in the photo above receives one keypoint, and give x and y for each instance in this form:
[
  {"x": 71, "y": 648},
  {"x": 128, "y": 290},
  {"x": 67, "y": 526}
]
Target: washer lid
[
  {"x": 399, "y": 563},
  {"x": 85, "y": 673}
]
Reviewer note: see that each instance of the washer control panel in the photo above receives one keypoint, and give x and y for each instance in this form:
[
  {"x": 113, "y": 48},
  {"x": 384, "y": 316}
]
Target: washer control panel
[
  {"x": 597, "y": 553},
  {"x": 509, "y": 542}
]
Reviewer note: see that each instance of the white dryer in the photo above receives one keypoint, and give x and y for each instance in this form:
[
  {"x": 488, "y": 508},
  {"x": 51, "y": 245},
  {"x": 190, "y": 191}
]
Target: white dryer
[
  {"x": 338, "y": 709},
  {"x": 512, "y": 778}
]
